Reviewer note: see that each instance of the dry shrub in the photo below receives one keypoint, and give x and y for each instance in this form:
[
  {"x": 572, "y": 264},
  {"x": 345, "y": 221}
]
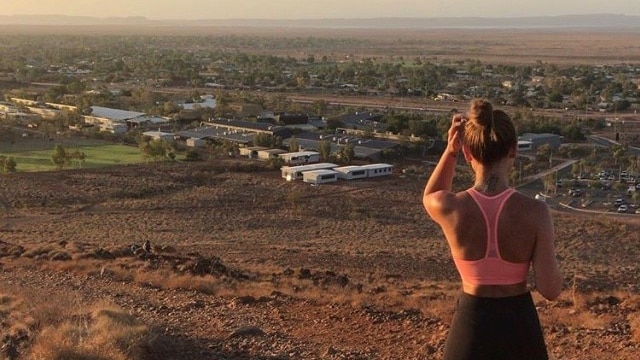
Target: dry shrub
[
  {"x": 634, "y": 322},
  {"x": 107, "y": 332},
  {"x": 5, "y": 302},
  {"x": 206, "y": 284},
  {"x": 67, "y": 341},
  {"x": 76, "y": 266},
  {"x": 572, "y": 309},
  {"x": 582, "y": 319},
  {"x": 632, "y": 302},
  {"x": 38, "y": 251},
  {"x": 14, "y": 318}
]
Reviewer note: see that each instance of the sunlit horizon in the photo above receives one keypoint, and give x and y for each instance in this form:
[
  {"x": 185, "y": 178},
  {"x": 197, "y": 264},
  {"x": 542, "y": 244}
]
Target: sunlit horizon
[{"x": 313, "y": 9}]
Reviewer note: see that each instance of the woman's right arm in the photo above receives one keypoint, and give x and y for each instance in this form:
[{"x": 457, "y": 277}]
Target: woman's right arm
[
  {"x": 438, "y": 188},
  {"x": 545, "y": 265}
]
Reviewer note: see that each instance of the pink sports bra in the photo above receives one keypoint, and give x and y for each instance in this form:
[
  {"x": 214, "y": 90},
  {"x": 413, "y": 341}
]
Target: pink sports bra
[{"x": 492, "y": 269}]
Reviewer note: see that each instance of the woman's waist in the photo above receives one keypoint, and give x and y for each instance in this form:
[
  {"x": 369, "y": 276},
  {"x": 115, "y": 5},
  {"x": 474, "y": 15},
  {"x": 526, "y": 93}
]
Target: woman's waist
[{"x": 495, "y": 291}]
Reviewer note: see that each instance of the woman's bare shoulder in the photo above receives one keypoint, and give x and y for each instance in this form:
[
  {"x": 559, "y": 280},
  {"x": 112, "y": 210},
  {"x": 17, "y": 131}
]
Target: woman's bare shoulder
[
  {"x": 443, "y": 202},
  {"x": 531, "y": 205}
]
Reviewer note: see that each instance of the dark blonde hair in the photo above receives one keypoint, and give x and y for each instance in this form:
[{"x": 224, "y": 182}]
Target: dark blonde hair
[{"x": 489, "y": 134}]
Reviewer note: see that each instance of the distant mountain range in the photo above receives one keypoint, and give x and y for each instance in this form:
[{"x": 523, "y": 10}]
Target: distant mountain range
[{"x": 563, "y": 21}]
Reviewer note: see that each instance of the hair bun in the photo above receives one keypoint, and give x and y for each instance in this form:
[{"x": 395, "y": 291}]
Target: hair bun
[{"x": 481, "y": 112}]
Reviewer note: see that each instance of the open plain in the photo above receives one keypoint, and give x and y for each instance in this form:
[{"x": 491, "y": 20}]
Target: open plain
[{"x": 244, "y": 265}]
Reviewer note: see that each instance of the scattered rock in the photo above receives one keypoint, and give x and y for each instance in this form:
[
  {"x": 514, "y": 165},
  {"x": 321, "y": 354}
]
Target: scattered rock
[{"x": 247, "y": 331}]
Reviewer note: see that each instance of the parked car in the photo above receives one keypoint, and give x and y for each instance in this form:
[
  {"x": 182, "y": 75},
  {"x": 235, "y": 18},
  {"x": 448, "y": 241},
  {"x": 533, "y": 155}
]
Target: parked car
[
  {"x": 623, "y": 208},
  {"x": 575, "y": 192},
  {"x": 638, "y": 211}
]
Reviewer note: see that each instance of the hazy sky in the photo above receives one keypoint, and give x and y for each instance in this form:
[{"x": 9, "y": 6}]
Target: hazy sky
[{"x": 292, "y": 9}]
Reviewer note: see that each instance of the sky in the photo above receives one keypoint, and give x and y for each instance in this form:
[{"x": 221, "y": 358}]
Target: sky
[{"x": 314, "y": 9}]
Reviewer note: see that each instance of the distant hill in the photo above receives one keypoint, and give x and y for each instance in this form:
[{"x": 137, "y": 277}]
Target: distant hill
[{"x": 564, "y": 21}]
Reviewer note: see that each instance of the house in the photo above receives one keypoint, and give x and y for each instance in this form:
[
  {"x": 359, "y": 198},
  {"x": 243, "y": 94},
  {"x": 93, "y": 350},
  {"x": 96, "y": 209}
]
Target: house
[
  {"x": 251, "y": 151},
  {"x": 196, "y": 143},
  {"x": 267, "y": 154},
  {"x": 524, "y": 145},
  {"x": 219, "y": 134},
  {"x": 300, "y": 157},
  {"x": 44, "y": 112},
  {"x": 7, "y": 107},
  {"x": 111, "y": 120},
  {"x": 147, "y": 122},
  {"x": 159, "y": 135},
  {"x": 363, "y": 121},
  {"x": 206, "y": 101},
  {"x": 249, "y": 126},
  {"x": 371, "y": 149},
  {"x": 321, "y": 176},
  {"x": 291, "y": 119},
  {"x": 538, "y": 140},
  {"x": 246, "y": 109}
]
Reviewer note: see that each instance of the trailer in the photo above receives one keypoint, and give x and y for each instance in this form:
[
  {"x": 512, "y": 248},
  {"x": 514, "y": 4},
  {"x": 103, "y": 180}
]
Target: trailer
[
  {"x": 322, "y": 176},
  {"x": 351, "y": 172},
  {"x": 295, "y": 172},
  {"x": 380, "y": 169}
]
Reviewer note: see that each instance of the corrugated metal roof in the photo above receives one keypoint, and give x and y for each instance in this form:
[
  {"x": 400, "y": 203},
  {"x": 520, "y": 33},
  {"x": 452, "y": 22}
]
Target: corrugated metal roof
[
  {"x": 221, "y": 134},
  {"x": 114, "y": 114}
]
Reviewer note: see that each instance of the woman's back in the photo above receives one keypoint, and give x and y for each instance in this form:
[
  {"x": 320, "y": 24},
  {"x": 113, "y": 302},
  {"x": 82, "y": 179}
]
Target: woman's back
[{"x": 516, "y": 230}]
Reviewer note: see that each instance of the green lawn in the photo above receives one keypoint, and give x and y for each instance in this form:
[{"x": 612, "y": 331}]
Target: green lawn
[{"x": 97, "y": 155}]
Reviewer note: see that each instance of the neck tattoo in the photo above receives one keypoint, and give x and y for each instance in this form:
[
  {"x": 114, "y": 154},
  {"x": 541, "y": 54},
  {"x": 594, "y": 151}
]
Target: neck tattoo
[{"x": 490, "y": 185}]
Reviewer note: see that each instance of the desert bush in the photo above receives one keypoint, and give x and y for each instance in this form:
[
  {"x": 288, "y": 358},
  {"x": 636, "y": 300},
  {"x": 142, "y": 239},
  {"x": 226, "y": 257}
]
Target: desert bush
[
  {"x": 634, "y": 322},
  {"x": 206, "y": 284},
  {"x": 39, "y": 251},
  {"x": 106, "y": 332}
]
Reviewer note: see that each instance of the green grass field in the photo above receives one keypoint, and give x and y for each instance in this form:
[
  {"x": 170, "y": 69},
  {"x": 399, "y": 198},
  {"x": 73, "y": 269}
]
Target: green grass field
[{"x": 97, "y": 155}]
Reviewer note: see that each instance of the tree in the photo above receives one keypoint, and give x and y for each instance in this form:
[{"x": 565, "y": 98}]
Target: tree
[
  {"x": 325, "y": 149},
  {"x": 293, "y": 144},
  {"x": 618, "y": 154},
  {"x": 192, "y": 155},
  {"x": 573, "y": 132},
  {"x": 8, "y": 164},
  {"x": 78, "y": 157},
  {"x": 60, "y": 157},
  {"x": 156, "y": 149},
  {"x": 347, "y": 153},
  {"x": 543, "y": 153},
  {"x": 265, "y": 140}
]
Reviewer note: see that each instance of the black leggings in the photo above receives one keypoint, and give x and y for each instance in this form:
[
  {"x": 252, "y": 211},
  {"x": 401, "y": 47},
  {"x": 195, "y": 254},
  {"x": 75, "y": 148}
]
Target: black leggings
[{"x": 495, "y": 328}]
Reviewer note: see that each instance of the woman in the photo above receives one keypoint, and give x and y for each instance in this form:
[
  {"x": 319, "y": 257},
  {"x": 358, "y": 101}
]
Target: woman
[{"x": 495, "y": 234}]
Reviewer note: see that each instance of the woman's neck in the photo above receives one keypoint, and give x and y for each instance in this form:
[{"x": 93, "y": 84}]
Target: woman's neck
[
  {"x": 491, "y": 181},
  {"x": 491, "y": 184}
]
